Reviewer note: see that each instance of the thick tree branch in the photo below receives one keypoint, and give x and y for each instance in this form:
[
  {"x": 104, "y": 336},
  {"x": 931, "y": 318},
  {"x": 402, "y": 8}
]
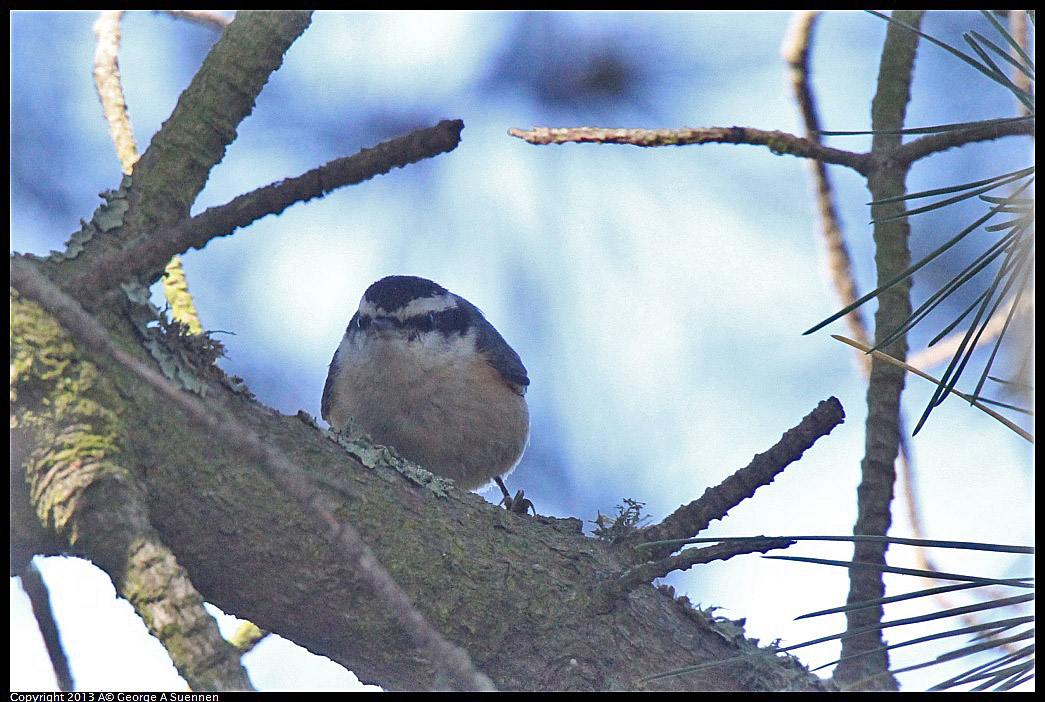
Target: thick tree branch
[
  {"x": 175, "y": 167},
  {"x": 70, "y": 422}
]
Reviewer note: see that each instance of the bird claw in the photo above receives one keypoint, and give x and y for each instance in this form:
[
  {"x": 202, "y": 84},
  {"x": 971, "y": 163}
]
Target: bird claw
[{"x": 518, "y": 504}]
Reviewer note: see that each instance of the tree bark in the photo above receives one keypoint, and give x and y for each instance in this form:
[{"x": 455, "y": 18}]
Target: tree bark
[{"x": 515, "y": 592}]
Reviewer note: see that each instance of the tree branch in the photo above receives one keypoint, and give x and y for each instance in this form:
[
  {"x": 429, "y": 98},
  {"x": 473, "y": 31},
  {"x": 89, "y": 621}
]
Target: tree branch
[
  {"x": 69, "y": 418},
  {"x": 892, "y": 256},
  {"x": 110, "y": 91},
  {"x": 149, "y": 254},
  {"x": 795, "y": 50},
  {"x": 907, "y": 154},
  {"x": 609, "y": 592},
  {"x": 689, "y": 520},
  {"x": 40, "y": 600},
  {"x": 778, "y": 142}
]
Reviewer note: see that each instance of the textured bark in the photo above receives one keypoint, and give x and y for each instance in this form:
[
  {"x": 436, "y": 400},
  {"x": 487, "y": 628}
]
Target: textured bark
[
  {"x": 515, "y": 592},
  {"x": 72, "y": 483}
]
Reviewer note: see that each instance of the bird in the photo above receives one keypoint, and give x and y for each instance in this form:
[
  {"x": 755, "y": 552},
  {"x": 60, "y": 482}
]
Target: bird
[{"x": 421, "y": 369}]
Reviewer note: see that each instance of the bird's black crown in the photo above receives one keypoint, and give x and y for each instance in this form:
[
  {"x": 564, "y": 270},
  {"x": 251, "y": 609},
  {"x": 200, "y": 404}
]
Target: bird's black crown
[{"x": 397, "y": 291}]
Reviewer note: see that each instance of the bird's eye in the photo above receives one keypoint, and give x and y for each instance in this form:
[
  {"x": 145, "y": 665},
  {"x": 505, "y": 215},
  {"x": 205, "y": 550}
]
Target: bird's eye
[
  {"x": 363, "y": 322},
  {"x": 429, "y": 322}
]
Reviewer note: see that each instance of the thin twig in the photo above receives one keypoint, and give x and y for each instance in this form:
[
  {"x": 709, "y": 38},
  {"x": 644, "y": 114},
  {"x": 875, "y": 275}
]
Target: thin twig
[
  {"x": 1018, "y": 29},
  {"x": 778, "y": 142},
  {"x": 935, "y": 143},
  {"x": 110, "y": 91},
  {"x": 206, "y": 18},
  {"x": 449, "y": 658},
  {"x": 40, "y": 600},
  {"x": 611, "y": 591},
  {"x": 795, "y": 50}
]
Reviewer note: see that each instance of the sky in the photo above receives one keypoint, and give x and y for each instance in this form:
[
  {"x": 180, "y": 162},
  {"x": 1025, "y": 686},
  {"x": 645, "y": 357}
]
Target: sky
[{"x": 656, "y": 296}]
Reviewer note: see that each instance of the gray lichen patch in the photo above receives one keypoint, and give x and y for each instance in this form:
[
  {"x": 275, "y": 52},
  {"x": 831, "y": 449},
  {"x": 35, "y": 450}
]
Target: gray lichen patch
[{"x": 375, "y": 456}]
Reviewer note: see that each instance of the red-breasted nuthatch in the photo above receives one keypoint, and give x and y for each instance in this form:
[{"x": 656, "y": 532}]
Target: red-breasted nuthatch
[{"x": 421, "y": 369}]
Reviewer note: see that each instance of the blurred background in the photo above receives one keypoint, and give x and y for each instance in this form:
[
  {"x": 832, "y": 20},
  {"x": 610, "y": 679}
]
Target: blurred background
[{"x": 656, "y": 296}]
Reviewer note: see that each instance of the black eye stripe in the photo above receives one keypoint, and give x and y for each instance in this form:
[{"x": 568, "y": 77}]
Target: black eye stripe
[{"x": 451, "y": 321}]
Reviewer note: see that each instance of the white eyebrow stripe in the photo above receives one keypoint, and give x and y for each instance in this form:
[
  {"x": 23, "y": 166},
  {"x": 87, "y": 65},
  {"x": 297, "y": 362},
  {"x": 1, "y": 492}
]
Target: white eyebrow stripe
[
  {"x": 414, "y": 308},
  {"x": 428, "y": 304},
  {"x": 367, "y": 308}
]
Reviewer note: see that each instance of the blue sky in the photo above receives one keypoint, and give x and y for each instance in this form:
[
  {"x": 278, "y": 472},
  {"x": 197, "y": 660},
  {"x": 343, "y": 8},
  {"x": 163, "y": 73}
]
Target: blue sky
[{"x": 656, "y": 296}]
